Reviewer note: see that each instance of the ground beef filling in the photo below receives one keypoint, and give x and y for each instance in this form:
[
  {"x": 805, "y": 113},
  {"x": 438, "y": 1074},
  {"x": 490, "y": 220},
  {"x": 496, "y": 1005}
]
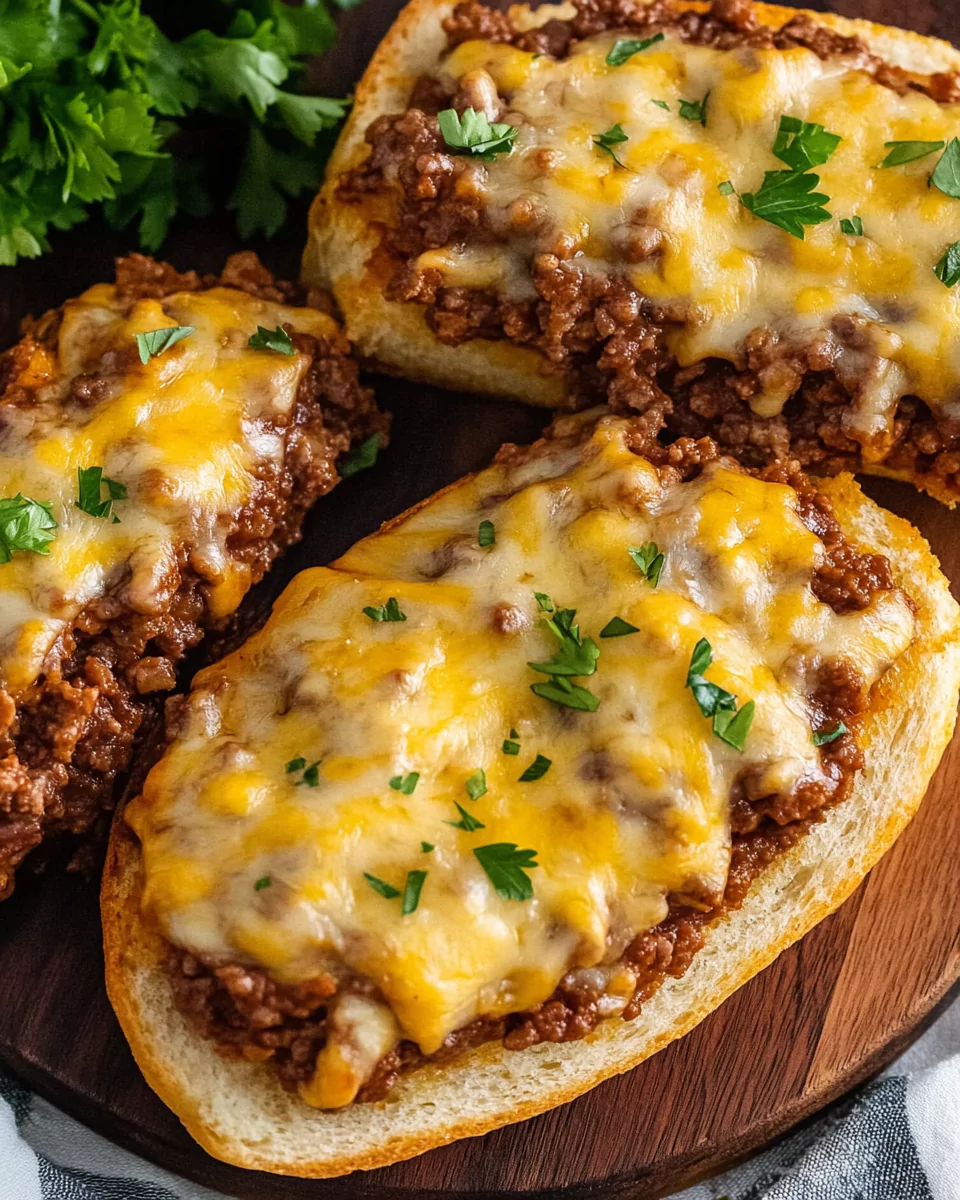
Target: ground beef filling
[
  {"x": 65, "y": 740},
  {"x": 248, "y": 1014},
  {"x": 605, "y": 336}
]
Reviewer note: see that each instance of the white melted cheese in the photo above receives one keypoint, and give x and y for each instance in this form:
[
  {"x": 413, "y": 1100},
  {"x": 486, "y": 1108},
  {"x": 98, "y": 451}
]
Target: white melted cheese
[
  {"x": 634, "y": 807},
  {"x": 186, "y": 433},
  {"x": 720, "y": 271}
]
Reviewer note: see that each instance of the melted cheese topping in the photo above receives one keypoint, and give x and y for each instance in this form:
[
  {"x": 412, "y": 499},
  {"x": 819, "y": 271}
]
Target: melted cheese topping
[
  {"x": 187, "y": 434},
  {"x": 719, "y": 271},
  {"x": 633, "y": 808}
]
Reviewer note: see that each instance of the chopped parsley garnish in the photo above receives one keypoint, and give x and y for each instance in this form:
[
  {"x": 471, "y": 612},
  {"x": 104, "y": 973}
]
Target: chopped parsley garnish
[
  {"x": 311, "y": 774},
  {"x": 25, "y": 524},
  {"x": 726, "y": 188},
  {"x": 946, "y": 174},
  {"x": 803, "y": 144},
  {"x": 650, "y": 560},
  {"x": 90, "y": 480},
  {"x": 729, "y": 725},
  {"x": 575, "y": 657},
  {"x": 617, "y": 627},
  {"x": 411, "y": 892},
  {"x": 624, "y": 49},
  {"x": 467, "y": 821},
  {"x": 695, "y": 110},
  {"x": 265, "y": 882},
  {"x": 661, "y": 104},
  {"x": 506, "y": 866},
  {"x": 899, "y": 153},
  {"x": 852, "y": 226},
  {"x": 405, "y": 783},
  {"x": 426, "y": 847},
  {"x": 947, "y": 269},
  {"x": 362, "y": 458},
  {"x": 381, "y": 887},
  {"x": 510, "y": 747},
  {"x": 157, "y": 340},
  {"x": 544, "y": 601},
  {"x": 537, "y": 769},
  {"x": 787, "y": 199},
  {"x": 271, "y": 339},
  {"x": 823, "y": 737},
  {"x": 473, "y": 135},
  {"x": 612, "y": 137},
  {"x": 476, "y": 785},
  {"x": 385, "y": 612},
  {"x": 486, "y": 535}
]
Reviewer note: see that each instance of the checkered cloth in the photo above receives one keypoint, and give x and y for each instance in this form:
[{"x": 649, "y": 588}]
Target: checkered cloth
[{"x": 898, "y": 1138}]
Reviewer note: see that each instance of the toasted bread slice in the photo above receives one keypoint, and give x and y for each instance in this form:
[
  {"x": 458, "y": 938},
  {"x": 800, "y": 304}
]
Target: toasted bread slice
[{"x": 238, "y": 1110}]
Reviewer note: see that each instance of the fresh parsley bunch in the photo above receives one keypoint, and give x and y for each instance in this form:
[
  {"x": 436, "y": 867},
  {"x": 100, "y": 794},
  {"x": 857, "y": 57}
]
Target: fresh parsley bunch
[{"x": 98, "y": 104}]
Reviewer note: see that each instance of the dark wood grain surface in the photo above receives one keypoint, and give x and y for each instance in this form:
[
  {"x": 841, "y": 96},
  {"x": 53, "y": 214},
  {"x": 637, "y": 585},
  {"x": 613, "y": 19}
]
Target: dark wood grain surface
[{"x": 831, "y": 1011}]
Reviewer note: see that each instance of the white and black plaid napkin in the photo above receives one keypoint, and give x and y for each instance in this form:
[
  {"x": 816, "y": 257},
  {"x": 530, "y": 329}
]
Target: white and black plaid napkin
[{"x": 898, "y": 1138}]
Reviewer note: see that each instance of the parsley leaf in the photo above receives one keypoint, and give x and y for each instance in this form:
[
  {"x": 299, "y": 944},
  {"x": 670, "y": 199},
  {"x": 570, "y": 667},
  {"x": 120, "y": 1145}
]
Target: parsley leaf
[
  {"x": 486, "y": 535},
  {"x": 506, "y": 867},
  {"x": 852, "y": 226},
  {"x": 271, "y": 339},
  {"x": 89, "y": 482},
  {"x": 726, "y": 188},
  {"x": 361, "y": 458},
  {"x": 947, "y": 269},
  {"x": 426, "y": 847},
  {"x": 729, "y": 725},
  {"x": 467, "y": 821},
  {"x": 476, "y": 784},
  {"x": 511, "y": 747},
  {"x": 472, "y": 134},
  {"x": 295, "y": 764},
  {"x": 574, "y": 658},
  {"x": 612, "y": 137},
  {"x": 537, "y": 769},
  {"x": 946, "y": 174},
  {"x": 385, "y": 612},
  {"x": 262, "y": 883},
  {"x": 381, "y": 887},
  {"x": 311, "y": 774},
  {"x": 411, "y": 892},
  {"x": 803, "y": 144},
  {"x": 405, "y": 783},
  {"x": 650, "y": 560},
  {"x": 695, "y": 110},
  {"x": 823, "y": 737},
  {"x": 546, "y": 604},
  {"x": 157, "y": 340},
  {"x": 617, "y": 627},
  {"x": 661, "y": 104},
  {"x": 624, "y": 49},
  {"x": 787, "y": 199},
  {"x": 25, "y": 524},
  {"x": 899, "y": 153}
]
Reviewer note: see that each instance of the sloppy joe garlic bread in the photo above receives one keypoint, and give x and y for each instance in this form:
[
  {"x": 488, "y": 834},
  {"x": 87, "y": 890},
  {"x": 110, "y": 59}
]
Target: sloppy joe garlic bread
[
  {"x": 566, "y": 754},
  {"x": 718, "y": 217},
  {"x": 160, "y": 440}
]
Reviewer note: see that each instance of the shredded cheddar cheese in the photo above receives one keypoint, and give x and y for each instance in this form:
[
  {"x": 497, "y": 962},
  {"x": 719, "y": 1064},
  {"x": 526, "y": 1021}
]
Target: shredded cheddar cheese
[{"x": 634, "y": 806}]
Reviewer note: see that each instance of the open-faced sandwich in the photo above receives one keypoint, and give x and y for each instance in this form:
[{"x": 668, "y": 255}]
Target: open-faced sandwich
[
  {"x": 566, "y": 754},
  {"x": 738, "y": 220},
  {"x": 160, "y": 441}
]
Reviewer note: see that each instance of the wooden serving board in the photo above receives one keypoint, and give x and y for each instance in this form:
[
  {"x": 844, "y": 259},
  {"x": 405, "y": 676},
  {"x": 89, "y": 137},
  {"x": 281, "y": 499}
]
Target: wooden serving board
[{"x": 830, "y": 1012}]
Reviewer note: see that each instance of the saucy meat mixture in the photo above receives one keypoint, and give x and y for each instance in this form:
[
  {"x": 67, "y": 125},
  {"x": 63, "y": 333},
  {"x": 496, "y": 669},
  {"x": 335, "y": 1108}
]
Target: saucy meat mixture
[
  {"x": 66, "y": 736},
  {"x": 249, "y": 1014},
  {"x": 610, "y": 337}
]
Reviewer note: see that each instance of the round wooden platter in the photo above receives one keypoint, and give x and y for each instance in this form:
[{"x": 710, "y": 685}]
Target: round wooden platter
[{"x": 830, "y": 1012}]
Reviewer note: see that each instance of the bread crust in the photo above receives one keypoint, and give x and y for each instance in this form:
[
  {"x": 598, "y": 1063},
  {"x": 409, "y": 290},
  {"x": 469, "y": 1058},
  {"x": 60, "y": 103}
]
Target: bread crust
[{"x": 239, "y": 1112}]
